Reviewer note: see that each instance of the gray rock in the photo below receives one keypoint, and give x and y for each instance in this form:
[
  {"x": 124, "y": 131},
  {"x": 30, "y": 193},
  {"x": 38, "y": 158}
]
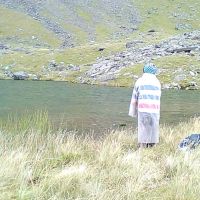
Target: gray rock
[
  {"x": 175, "y": 86},
  {"x": 8, "y": 73},
  {"x": 180, "y": 77},
  {"x": 166, "y": 86},
  {"x": 157, "y": 46},
  {"x": 21, "y": 75},
  {"x": 33, "y": 77},
  {"x": 3, "y": 47},
  {"x": 183, "y": 27},
  {"x": 117, "y": 58},
  {"x": 180, "y": 50},
  {"x": 133, "y": 43},
  {"x": 53, "y": 64},
  {"x": 106, "y": 78},
  {"x": 73, "y": 67},
  {"x": 193, "y": 73},
  {"x": 63, "y": 74}
]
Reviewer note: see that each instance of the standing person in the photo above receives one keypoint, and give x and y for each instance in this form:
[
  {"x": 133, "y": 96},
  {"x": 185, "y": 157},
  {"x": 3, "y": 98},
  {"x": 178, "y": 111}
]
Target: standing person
[{"x": 145, "y": 105}]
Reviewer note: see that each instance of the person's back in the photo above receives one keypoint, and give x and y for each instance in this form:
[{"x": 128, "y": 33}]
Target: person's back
[
  {"x": 149, "y": 91},
  {"x": 145, "y": 104}
]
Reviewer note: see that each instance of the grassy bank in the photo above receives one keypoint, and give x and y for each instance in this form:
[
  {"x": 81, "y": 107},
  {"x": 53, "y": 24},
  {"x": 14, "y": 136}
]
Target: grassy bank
[{"x": 39, "y": 162}]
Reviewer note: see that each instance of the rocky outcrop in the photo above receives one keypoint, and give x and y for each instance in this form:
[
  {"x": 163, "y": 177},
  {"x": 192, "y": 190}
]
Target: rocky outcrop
[
  {"x": 20, "y": 75},
  {"x": 3, "y": 47},
  {"x": 111, "y": 66},
  {"x": 183, "y": 49},
  {"x": 133, "y": 44},
  {"x": 54, "y": 66}
]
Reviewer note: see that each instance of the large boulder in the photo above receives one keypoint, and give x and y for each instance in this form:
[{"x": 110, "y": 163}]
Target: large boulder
[
  {"x": 3, "y": 47},
  {"x": 20, "y": 75}
]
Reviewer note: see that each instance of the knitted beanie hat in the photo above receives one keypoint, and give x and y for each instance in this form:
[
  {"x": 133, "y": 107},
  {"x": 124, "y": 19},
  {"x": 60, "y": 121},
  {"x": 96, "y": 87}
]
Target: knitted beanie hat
[{"x": 150, "y": 69}]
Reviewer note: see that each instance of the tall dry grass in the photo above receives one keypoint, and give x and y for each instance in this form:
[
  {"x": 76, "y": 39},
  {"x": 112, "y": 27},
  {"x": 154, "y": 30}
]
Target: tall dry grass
[{"x": 42, "y": 163}]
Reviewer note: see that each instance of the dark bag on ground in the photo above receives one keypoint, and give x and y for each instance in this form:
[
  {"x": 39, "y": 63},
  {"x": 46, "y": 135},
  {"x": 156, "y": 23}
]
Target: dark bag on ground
[{"x": 190, "y": 142}]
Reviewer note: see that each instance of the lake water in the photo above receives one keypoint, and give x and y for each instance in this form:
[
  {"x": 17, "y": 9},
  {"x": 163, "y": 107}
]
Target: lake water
[{"x": 89, "y": 107}]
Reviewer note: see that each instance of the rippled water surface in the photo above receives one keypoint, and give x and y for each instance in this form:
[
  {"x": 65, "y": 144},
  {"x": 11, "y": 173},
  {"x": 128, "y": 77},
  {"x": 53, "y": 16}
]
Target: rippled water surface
[{"x": 89, "y": 107}]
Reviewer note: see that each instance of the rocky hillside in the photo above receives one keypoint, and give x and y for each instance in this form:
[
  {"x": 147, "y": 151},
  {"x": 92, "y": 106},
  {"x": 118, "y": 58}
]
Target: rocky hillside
[
  {"x": 75, "y": 22},
  {"x": 100, "y": 42},
  {"x": 178, "y": 58}
]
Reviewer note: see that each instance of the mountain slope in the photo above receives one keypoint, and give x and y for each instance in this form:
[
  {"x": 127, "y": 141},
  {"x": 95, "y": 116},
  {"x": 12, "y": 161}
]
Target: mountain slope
[
  {"x": 18, "y": 29},
  {"x": 36, "y": 35},
  {"x": 79, "y": 22},
  {"x": 169, "y": 16},
  {"x": 76, "y": 22}
]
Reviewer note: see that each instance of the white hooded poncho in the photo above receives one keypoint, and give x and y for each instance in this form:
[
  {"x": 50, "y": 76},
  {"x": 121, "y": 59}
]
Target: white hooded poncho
[{"x": 145, "y": 104}]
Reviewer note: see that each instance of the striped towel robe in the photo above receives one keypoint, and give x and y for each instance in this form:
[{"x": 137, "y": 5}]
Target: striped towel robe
[{"x": 145, "y": 105}]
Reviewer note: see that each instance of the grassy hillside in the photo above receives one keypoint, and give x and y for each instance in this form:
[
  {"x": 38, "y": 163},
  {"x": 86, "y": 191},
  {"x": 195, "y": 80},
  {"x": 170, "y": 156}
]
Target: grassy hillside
[
  {"x": 163, "y": 16},
  {"x": 35, "y": 60},
  {"x": 38, "y": 162},
  {"x": 79, "y": 22},
  {"x": 95, "y": 20},
  {"x": 20, "y": 30},
  {"x": 33, "y": 31}
]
